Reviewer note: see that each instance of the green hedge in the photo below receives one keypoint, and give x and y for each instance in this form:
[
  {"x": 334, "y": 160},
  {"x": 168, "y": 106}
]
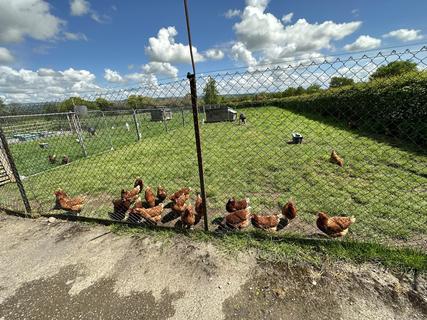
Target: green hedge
[{"x": 394, "y": 107}]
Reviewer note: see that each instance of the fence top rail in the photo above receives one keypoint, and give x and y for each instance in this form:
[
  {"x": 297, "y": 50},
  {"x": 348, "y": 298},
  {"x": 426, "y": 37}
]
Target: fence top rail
[
  {"x": 34, "y": 115},
  {"x": 119, "y": 111}
]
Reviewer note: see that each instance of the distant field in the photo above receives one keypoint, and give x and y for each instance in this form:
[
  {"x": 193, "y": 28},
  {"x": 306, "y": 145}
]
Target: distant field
[{"x": 385, "y": 187}]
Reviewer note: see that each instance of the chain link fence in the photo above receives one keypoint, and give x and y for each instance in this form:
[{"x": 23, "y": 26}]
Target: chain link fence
[{"x": 267, "y": 135}]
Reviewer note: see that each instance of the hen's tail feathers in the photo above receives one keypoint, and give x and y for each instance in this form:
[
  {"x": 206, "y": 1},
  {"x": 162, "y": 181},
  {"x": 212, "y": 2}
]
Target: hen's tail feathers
[{"x": 282, "y": 224}]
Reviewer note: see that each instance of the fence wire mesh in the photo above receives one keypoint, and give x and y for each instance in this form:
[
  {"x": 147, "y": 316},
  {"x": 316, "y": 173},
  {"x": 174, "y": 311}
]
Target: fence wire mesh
[{"x": 267, "y": 135}]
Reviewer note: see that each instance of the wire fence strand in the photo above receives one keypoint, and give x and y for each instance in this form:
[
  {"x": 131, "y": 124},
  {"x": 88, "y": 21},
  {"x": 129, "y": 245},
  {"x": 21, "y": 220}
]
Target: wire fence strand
[{"x": 267, "y": 135}]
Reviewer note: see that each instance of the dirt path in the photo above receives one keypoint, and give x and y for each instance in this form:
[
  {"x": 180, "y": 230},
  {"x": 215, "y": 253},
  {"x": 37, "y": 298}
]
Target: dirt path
[{"x": 64, "y": 270}]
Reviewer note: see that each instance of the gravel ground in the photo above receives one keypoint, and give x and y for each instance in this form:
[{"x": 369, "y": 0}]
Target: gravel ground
[{"x": 65, "y": 270}]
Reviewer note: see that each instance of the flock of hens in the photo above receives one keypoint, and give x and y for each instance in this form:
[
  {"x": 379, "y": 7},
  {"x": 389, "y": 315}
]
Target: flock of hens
[{"x": 238, "y": 217}]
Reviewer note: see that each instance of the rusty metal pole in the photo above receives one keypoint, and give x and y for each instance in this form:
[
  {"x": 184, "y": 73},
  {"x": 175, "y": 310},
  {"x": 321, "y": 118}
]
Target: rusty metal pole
[
  {"x": 193, "y": 90},
  {"x": 15, "y": 172}
]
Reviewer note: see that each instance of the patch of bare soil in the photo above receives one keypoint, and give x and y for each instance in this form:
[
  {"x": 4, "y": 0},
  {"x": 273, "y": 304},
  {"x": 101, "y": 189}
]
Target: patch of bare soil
[
  {"x": 50, "y": 299},
  {"x": 66, "y": 270},
  {"x": 340, "y": 291}
]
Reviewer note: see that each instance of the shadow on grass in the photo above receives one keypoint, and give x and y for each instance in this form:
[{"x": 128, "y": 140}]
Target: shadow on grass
[{"x": 403, "y": 144}]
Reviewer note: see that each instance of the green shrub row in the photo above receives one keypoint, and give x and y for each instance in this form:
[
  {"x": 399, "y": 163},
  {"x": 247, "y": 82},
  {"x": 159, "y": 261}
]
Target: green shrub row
[{"x": 395, "y": 107}]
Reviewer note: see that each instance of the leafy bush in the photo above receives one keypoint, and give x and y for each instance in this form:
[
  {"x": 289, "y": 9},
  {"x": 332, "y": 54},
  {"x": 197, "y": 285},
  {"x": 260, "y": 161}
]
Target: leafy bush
[
  {"x": 337, "y": 82},
  {"x": 394, "y": 68},
  {"x": 395, "y": 106}
]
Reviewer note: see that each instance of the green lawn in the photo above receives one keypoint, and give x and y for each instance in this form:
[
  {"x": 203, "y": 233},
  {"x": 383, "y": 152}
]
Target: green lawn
[
  {"x": 111, "y": 133},
  {"x": 383, "y": 186}
]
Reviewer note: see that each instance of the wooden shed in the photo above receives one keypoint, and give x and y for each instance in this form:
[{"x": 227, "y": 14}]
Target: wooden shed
[
  {"x": 219, "y": 114},
  {"x": 161, "y": 114}
]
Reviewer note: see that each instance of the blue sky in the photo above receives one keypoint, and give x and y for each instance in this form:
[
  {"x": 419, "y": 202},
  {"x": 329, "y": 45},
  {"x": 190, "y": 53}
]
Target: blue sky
[{"x": 81, "y": 45}]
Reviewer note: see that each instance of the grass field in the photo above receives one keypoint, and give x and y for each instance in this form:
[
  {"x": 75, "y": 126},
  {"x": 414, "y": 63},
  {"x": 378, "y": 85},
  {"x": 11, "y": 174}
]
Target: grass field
[
  {"x": 383, "y": 186},
  {"x": 111, "y": 133}
]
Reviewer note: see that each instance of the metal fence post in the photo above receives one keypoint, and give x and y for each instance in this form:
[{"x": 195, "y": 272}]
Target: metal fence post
[
  {"x": 164, "y": 119},
  {"x": 182, "y": 114},
  {"x": 15, "y": 172},
  {"x": 108, "y": 130},
  {"x": 135, "y": 120},
  {"x": 193, "y": 89}
]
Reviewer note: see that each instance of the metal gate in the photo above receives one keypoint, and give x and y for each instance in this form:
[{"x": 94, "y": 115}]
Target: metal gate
[
  {"x": 6, "y": 174},
  {"x": 9, "y": 173}
]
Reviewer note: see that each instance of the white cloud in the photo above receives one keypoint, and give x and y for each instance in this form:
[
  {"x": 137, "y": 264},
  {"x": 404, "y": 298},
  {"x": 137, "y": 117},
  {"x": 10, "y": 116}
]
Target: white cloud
[
  {"x": 355, "y": 12},
  {"x": 44, "y": 84},
  {"x": 239, "y": 52},
  {"x": 264, "y": 35},
  {"x": 45, "y": 72},
  {"x": 113, "y": 76},
  {"x": 405, "y": 35},
  {"x": 363, "y": 43},
  {"x": 260, "y": 4},
  {"x": 164, "y": 49},
  {"x": 27, "y": 18},
  {"x": 75, "y": 36},
  {"x": 232, "y": 13},
  {"x": 82, "y": 7},
  {"x": 78, "y": 75},
  {"x": 160, "y": 68},
  {"x": 5, "y": 56},
  {"x": 100, "y": 18},
  {"x": 139, "y": 77},
  {"x": 142, "y": 79},
  {"x": 214, "y": 54},
  {"x": 79, "y": 7},
  {"x": 287, "y": 18}
]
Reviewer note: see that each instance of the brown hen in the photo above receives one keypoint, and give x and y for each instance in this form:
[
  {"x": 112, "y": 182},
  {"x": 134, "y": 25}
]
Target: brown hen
[
  {"x": 150, "y": 197},
  {"x": 179, "y": 193},
  {"x": 238, "y": 219},
  {"x": 161, "y": 193},
  {"x": 198, "y": 205},
  {"x": 152, "y": 214},
  {"x": 64, "y": 202},
  {"x": 335, "y": 158},
  {"x": 236, "y": 205},
  {"x": 267, "y": 222},
  {"x": 188, "y": 217},
  {"x": 121, "y": 206},
  {"x": 179, "y": 205},
  {"x": 289, "y": 210},
  {"x": 132, "y": 195},
  {"x": 334, "y": 226}
]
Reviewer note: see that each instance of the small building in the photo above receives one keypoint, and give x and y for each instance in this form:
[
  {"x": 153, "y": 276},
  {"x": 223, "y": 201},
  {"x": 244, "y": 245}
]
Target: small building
[
  {"x": 220, "y": 114},
  {"x": 161, "y": 114}
]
